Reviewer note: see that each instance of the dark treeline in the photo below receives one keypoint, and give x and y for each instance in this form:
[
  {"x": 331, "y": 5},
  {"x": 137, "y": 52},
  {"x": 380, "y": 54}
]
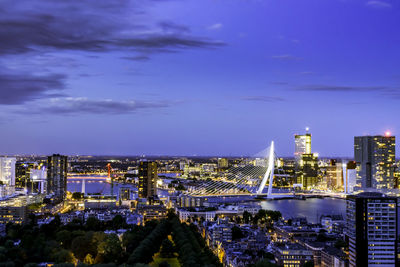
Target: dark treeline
[{"x": 87, "y": 244}]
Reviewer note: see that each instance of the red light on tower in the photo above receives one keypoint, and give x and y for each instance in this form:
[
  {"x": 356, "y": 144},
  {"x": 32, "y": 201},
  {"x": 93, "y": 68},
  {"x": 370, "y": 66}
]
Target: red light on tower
[{"x": 387, "y": 133}]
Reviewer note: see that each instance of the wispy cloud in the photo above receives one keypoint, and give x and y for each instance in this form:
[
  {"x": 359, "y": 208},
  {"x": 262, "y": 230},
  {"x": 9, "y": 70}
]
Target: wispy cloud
[
  {"x": 83, "y": 105},
  {"x": 19, "y": 88},
  {"x": 307, "y": 73},
  {"x": 66, "y": 25},
  {"x": 279, "y": 83},
  {"x": 137, "y": 58},
  {"x": 216, "y": 26},
  {"x": 263, "y": 98},
  {"x": 378, "y": 4},
  {"x": 37, "y": 28},
  {"x": 286, "y": 57},
  {"x": 339, "y": 88}
]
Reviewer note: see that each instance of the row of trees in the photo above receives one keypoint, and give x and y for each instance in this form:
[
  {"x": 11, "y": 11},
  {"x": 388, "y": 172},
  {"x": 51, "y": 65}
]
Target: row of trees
[
  {"x": 87, "y": 244},
  {"x": 151, "y": 245},
  {"x": 192, "y": 253},
  {"x": 261, "y": 217}
]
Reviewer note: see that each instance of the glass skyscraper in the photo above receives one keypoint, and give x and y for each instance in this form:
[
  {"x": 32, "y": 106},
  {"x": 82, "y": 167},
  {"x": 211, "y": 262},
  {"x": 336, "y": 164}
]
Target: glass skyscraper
[
  {"x": 375, "y": 158},
  {"x": 302, "y": 145}
]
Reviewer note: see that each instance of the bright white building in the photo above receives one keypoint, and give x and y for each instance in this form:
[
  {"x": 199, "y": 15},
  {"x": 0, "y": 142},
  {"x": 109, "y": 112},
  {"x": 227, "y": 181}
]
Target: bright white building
[
  {"x": 7, "y": 171},
  {"x": 39, "y": 176}
]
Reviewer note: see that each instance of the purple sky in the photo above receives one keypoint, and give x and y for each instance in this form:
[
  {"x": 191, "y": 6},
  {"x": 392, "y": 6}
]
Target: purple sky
[{"x": 209, "y": 77}]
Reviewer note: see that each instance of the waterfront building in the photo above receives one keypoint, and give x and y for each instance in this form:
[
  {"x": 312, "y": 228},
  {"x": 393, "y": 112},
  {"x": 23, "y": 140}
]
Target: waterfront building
[
  {"x": 99, "y": 202},
  {"x": 57, "y": 176},
  {"x": 371, "y": 229},
  {"x": 147, "y": 179},
  {"x": 375, "y": 158},
  {"x": 7, "y": 171},
  {"x": 307, "y": 172},
  {"x": 350, "y": 176},
  {"x": 302, "y": 145},
  {"x": 334, "y": 176}
]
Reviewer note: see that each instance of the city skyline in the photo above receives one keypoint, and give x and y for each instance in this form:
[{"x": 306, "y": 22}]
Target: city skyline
[{"x": 189, "y": 78}]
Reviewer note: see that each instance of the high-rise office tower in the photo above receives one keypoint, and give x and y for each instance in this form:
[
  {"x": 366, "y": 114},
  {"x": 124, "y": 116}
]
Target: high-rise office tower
[
  {"x": 375, "y": 158},
  {"x": 334, "y": 175},
  {"x": 371, "y": 229},
  {"x": 302, "y": 145},
  {"x": 223, "y": 163},
  {"x": 7, "y": 171},
  {"x": 23, "y": 172},
  {"x": 147, "y": 179},
  {"x": 307, "y": 171},
  {"x": 350, "y": 176},
  {"x": 57, "y": 175}
]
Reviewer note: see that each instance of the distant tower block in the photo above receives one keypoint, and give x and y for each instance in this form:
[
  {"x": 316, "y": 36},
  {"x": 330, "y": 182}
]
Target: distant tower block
[{"x": 83, "y": 186}]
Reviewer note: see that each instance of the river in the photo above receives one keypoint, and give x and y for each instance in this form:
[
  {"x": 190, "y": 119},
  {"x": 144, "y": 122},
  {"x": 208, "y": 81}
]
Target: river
[{"x": 312, "y": 208}]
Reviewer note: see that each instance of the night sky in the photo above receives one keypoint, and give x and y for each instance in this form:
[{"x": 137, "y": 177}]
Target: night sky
[{"x": 196, "y": 77}]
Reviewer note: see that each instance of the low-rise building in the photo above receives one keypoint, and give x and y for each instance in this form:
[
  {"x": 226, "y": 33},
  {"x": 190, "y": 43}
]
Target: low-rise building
[
  {"x": 333, "y": 257},
  {"x": 292, "y": 255}
]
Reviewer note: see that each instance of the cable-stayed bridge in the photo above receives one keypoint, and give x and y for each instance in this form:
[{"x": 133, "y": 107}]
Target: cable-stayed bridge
[{"x": 242, "y": 179}]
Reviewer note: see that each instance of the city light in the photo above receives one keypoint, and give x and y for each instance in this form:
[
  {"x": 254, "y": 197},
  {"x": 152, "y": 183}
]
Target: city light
[{"x": 388, "y": 133}]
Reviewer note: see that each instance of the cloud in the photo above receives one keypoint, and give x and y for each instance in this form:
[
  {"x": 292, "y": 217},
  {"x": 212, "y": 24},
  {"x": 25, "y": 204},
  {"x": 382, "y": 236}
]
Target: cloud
[
  {"x": 95, "y": 26},
  {"x": 82, "y": 105},
  {"x": 137, "y": 58},
  {"x": 169, "y": 26},
  {"x": 36, "y": 29},
  {"x": 286, "y": 57},
  {"x": 263, "y": 98},
  {"x": 338, "y": 88},
  {"x": 23, "y": 87},
  {"x": 216, "y": 26},
  {"x": 378, "y": 4},
  {"x": 307, "y": 73},
  {"x": 279, "y": 83}
]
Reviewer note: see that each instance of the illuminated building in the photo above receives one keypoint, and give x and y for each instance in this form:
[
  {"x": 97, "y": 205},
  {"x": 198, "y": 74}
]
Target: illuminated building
[
  {"x": 350, "y": 176},
  {"x": 125, "y": 193},
  {"x": 223, "y": 163},
  {"x": 57, "y": 176},
  {"x": 7, "y": 171},
  {"x": 371, "y": 229},
  {"x": 147, "y": 179},
  {"x": 38, "y": 180},
  {"x": 14, "y": 210},
  {"x": 334, "y": 175},
  {"x": 302, "y": 145},
  {"x": 292, "y": 255},
  {"x": 22, "y": 173},
  {"x": 375, "y": 158},
  {"x": 307, "y": 173}
]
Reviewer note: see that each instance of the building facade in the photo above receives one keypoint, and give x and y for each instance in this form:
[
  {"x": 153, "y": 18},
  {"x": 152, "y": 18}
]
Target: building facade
[
  {"x": 375, "y": 158},
  {"x": 307, "y": 171},
  {"x": 147, "y": 179},
  {"x": 7, "y": 171},
  {"x": 302, "y": 145},
  {"x": 371, "y": 229},
  {"x": 57, "y": 166}
]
